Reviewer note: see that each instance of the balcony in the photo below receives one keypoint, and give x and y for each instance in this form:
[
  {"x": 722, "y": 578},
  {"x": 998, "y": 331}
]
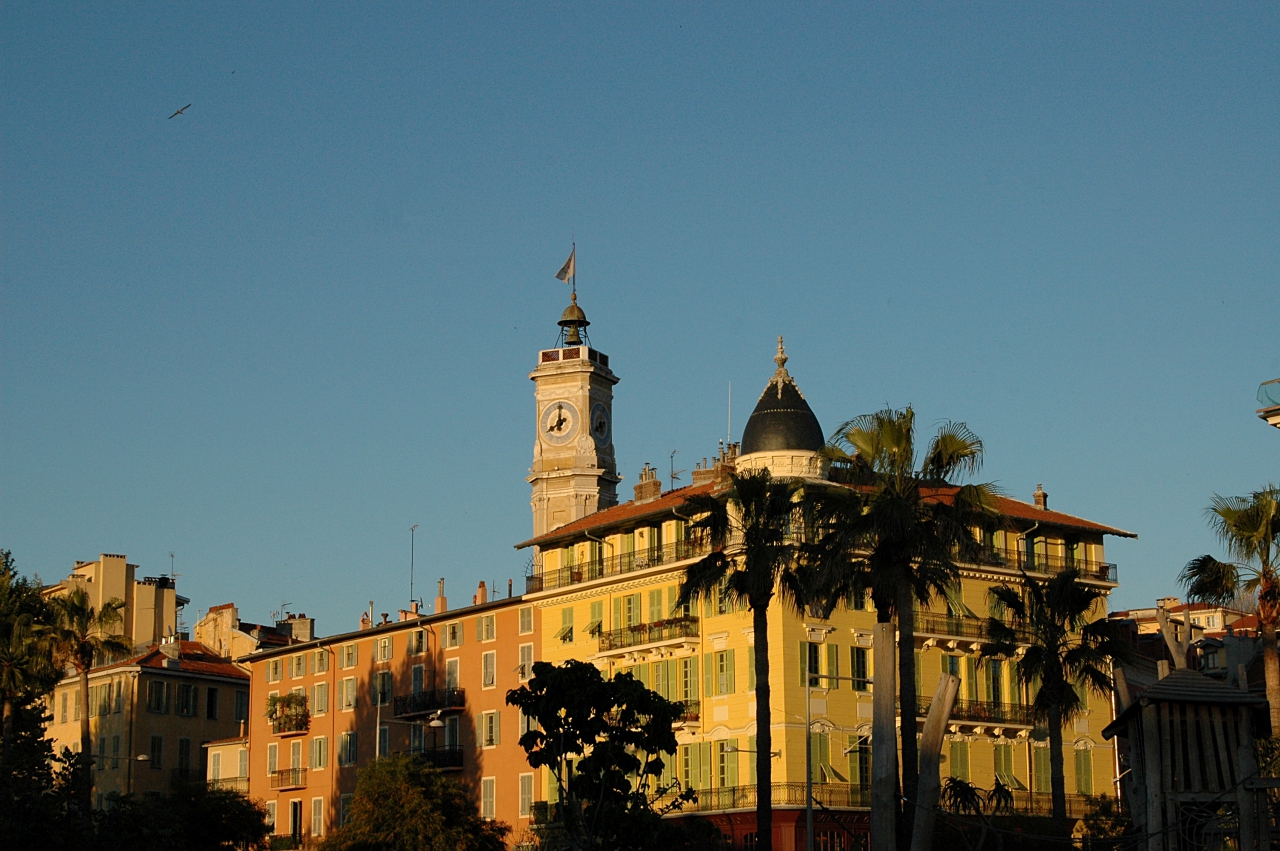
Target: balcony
[
  {"x": 827, "y": 795},
  {"x": 444, "y": 756},
  {"x": 643, "y": 634},
  {"x": 1098, "y": 571},
  {"x": 950, "y": 626},
  {"x": 424, "y": 702},
  {"x": 615, "y": 565},
  {"x": 235, "y": 784},
  {"x": 289, "y": 778},
  {"x": 982, "y": 713},
  {"x": 291, "y": 724},
  {"x": 690, "y": 712}
]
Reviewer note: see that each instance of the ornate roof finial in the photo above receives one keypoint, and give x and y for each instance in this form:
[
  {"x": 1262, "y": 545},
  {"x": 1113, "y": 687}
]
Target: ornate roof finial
[{"x": 781, "y": 357}]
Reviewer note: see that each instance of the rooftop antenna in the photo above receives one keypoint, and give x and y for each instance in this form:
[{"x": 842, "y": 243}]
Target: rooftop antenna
[
  {"x": 172, "y": 576},
  {"x": 675, "y": 474},
  {"x": 279, "y": 615},
  {"x": 412, "y": 530}
]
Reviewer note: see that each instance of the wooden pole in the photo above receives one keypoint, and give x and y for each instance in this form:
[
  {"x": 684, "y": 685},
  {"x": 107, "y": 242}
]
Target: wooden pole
[
  {"x": 884, "y": 742},
  {"x": 928, "y": 785}
]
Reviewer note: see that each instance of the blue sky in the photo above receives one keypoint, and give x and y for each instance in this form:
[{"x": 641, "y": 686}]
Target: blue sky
[{"x": 273, "y": 333}]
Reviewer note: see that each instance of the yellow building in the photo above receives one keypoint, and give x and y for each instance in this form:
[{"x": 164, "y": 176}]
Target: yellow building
[
  {"x": 150, "y": 715},
  {"x": 151, "y": 604},
  {"x": 606, "y": 581}
]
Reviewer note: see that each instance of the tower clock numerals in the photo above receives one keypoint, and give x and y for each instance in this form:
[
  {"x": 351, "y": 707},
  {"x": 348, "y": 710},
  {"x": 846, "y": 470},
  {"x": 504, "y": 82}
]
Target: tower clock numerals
[
  {"x": 601, "y": 426},
  {"x": 558, "y": 423}
]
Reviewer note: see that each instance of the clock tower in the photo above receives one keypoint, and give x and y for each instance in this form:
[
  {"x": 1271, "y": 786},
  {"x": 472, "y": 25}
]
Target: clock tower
[{"x": 574, "y": 472}]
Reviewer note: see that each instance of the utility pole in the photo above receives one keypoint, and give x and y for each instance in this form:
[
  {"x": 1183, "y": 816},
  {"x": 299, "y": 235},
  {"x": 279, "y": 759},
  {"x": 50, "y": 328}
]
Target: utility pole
[{"x": 412, "y": 530}]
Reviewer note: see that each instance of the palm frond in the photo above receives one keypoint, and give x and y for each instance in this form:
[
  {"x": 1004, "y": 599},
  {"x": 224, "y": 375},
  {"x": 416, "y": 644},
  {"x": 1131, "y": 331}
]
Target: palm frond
[
  {"x": 1211, "y": 581},
  {"x": 954, "y": 450}
]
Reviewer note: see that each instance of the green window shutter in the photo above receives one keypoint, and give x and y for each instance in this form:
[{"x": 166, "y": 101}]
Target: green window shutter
[
  {"x": 617, "y": 613},
  {"x": 971, "y": 677},
  {"x": 709, "y": 674},
  {"x": 636, "y": 612},
  {"x": 732, "y": 666},
  {"x": 731, "y": 766},
  {"x": 804, "y": 664},
  {"x": 642, "y": 674},
  {"x": 751, "y": 761},
  {"x": 708, "y": 603},
  {"x": 656, "y": 612},
  {"x": 833, "y": 665},
  {"x": 673, "y": 592},
  {"x": 692, "y": 681},
  {"x": 751, "y": 668},
  {"x": 959, "y": 759},
  {"x": 706, "y": 765},
  {"x": 1041, "y": 770},
  {"x": 919, "y": 664},
  {"x": 1084, "y": 772}
]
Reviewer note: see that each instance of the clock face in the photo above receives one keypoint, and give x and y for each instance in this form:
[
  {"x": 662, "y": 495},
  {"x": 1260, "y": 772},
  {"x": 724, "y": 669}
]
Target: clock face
[
  {"x": 558, "y": 423},
  {"x": 601, "y": 427}
]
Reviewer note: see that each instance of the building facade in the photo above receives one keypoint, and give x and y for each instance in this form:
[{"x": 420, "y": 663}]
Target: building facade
[
  {"x": 151, "y": 603},
  {"x": 150, "y": 715},
  {"x": 433, "y": 685}
]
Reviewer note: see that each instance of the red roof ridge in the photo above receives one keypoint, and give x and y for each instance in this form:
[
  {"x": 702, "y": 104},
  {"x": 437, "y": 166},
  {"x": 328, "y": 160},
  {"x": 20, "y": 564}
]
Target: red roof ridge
[{"x": 623, "y": 511}]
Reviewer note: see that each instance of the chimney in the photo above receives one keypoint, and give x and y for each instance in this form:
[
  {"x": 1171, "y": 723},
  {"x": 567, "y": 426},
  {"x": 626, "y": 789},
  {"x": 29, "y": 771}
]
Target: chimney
[
  {"x": 386, "y": 619},
  {"x": 649, "y": 487},
  {"x": 510, "y": 582},
  {"x": 365, "y": 620},
  {"x": 442, "y": 602},
  {"x": 703, "y": 473},
  {"x": 482, "y": 595},
  {"x": 1042, "y": 498}
]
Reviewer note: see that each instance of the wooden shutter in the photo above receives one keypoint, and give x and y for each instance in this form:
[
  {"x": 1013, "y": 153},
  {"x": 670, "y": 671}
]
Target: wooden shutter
[
  {"x": 730, "y": 665},
  {"x": 751, "y": 668},
  {"x": 709, "y": 674},
  {"x": 833, "y": 665}
]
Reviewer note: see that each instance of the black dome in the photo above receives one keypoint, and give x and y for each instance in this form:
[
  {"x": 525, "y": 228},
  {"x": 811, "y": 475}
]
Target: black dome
[{"x": 782, "y": 419}]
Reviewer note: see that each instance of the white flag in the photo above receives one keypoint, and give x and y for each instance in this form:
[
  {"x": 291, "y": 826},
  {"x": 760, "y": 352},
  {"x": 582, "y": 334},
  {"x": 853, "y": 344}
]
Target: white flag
[{"x": 567, "y": 270}]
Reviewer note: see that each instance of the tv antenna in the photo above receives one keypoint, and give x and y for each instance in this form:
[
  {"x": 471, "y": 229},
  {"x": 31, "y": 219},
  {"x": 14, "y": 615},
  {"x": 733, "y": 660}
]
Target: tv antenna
[
  {"x": 412, "y": 530},
  {"x": 675, "y": 474},
  {"x": 279, "y": 615}
]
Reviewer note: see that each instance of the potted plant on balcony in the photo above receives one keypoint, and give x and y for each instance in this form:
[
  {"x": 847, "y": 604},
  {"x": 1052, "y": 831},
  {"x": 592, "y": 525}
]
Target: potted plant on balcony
[{"x": 288, "y": 712}]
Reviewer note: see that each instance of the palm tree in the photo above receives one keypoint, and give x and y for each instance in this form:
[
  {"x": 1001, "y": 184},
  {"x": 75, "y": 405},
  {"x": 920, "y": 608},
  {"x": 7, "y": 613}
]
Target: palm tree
[
  {"x": 1249, "y": 528},
  {"x": 79, "y": 634},
  {"x": 899, "y": 531},
  {"x": 24, "y": 671},
  {"x": 755, "y": 520},
  {"x": 1071, "y": 651}
]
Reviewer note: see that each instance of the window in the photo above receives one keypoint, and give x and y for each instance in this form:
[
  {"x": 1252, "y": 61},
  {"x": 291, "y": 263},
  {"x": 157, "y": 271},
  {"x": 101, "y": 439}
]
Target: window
[
  {"x": 489, "y": 669},
  {"x": 384, "y": 740},
  {"x": 566, "y": 625},
  {"x": 860, "y": 761},
  {"x": 526, "y": 620},
  {"x": 1084, "y": 771},
  {"x": 417, "y": 643},
  {"x": 320, "y": 752},
  {"x": 727, "y": 763},
  {"x": 344, "y": 807},
  {"x": 656, "y": 610},
  {"x": 721, "y": 665},
  {"x": 381, "y": 688},
  {"x": 320, "y": 699},
  {"x": 1003, "y": 752},
  {"x": 527, "y": 722},
  {"x": 157, "y": 697},
  {"x": 99, "y": 757},
  {"x": 115, "y": 751},
  {"x": 689, "y": 678},
  {"x": 959, "y": 760},
  {"x": 526, "y": 661},
  {"x": 298, "y": 665},
  {"x": 526, "y": 795},
  {"x": 347, "y": 656},
  {"x": 858, "y": 667},
  {"x": 75, "y": 705},
  {"x": 274, "y": 670},
  {"x": 486, "y": 628},
  {"x": 452, "y": 634},
  {"x": 417, "y": 737},
  {"x": 184, "y": 757},
  {"x": 186, "y": 700},
  {"x": 243, "y": 763},
  {"x": 347, "y": 694},
  {"x": 62, "y": 716},
  {"x": 810, "y": 664},
  {"x": 417, "y": 679},
  {"x": 452, "y": 738},
  {"x": 451, "y": 673},
  {"x": 273, "y": 758},
  {"x": 211, "y": 703},
  {"x": 157, "y": 753},
  {"x": 595, "y": 624},
  {"x": 242, "y": 706},
  {"x": 317, "y": 816},
  {"x": 490, "y": 732},
  {"x": 320, "y": 661},
  {"x": 1040, "y": 779},
  {"x": 488, "y": 806},
  {"x": 347, "y": 748},
  {"x": 215, "y": 766},
  {"x": 382, "y": 650},
  {"x": 271, "y": 814}
]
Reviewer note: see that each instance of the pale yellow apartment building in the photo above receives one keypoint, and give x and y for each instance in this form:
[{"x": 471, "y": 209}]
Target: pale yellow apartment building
[{"x": 605, "y": 578}]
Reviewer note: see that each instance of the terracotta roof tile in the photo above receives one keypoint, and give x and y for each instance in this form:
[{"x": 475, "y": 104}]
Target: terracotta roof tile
[
  {"x": 621, "y": 513},
  {"x": 194, "y": 658}
]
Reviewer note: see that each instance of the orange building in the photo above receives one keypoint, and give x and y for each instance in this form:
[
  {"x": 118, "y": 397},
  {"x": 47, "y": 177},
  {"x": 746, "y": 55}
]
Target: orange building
[{"x": 431, "y": 684}]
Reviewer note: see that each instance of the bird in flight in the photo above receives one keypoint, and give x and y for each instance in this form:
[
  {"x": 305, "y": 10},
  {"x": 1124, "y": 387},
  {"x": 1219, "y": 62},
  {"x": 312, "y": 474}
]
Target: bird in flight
[{"x": 179, "y": 112}]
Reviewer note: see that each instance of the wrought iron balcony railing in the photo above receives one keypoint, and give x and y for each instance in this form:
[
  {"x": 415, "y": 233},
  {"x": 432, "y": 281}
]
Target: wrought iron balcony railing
[
  {"x": 1100, "y": 571},
  {"x": 423, "y": 702},
  {"x": 932, "y": 623},
  {"x": 830, "y": 795},
  {"x": 982, "y": 712},
  {"x": 615, "y": 565},
  {"x": 691, "y": 711},
  {"x": 648, "y": 633},
  {"x": 443, "y": 757},
  {"x": 236, "y": 784},
  {"x": 289, "y": 778}
]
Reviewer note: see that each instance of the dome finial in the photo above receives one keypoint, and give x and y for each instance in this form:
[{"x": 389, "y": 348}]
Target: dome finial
[{"x": 781, "y": 357}]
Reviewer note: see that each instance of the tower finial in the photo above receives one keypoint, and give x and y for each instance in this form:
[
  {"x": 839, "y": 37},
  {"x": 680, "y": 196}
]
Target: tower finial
[{"x": 781, "y": 357}]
